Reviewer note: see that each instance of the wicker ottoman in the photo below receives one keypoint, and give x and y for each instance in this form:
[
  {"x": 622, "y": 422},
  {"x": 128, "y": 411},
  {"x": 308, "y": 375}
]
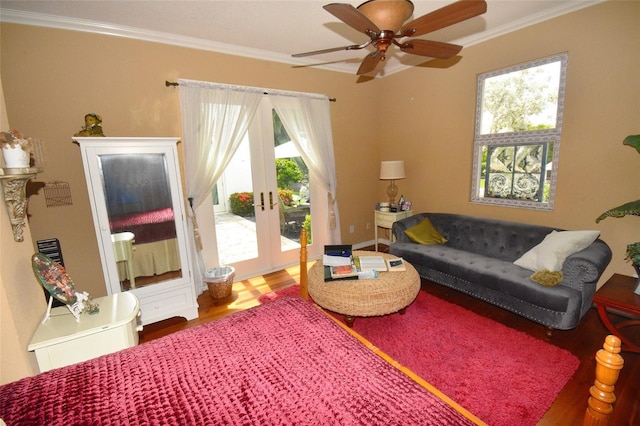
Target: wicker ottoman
[{"x": 390, "y": 293}]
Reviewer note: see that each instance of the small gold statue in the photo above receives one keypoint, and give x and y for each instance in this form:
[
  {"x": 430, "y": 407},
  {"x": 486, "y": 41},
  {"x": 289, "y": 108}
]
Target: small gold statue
[{"x": 92, "y": 126}]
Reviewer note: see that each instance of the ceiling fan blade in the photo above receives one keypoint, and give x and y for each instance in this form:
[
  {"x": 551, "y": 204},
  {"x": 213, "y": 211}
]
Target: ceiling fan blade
[
  {"x": 333, "y": 49},
  {"x": 443, "y": 17},
  {"x": 352, "y": 17},
  {"x": 433, "y": 49},
  {"x": 370, "y": 62}
]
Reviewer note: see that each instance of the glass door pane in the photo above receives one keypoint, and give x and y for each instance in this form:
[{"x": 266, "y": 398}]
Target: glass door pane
[
  {"x": 268, "y": 196},
  {"x": 295, "y": 208},
  {"x": 236, "y": 223},
  {"x": 294, "y": 194}
]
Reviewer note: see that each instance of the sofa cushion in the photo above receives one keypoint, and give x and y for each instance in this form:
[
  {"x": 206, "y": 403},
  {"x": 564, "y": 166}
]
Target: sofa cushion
[
  {"x": 490, "y": 237},
  {"x": 551, "y": 253},
  {"x": 425, "y": 233},
  {"x": 482, "y": 271}
]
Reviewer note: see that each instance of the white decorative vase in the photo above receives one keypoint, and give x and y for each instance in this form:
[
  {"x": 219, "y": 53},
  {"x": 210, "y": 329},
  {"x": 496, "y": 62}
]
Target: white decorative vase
[{"x": 15, "y": 157}]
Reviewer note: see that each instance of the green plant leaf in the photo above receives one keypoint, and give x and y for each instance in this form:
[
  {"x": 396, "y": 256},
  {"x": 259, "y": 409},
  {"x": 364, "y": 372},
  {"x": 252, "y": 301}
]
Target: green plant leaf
[
  {"x": 631, "y": 208},
  {"x": 633, "y": 253},
  {"x": 632, "y": 140}
]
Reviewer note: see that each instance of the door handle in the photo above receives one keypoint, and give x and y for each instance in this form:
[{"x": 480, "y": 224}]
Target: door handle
[
  {"x": 261, "y": 201},
  {"x": 271, "y": 203}
]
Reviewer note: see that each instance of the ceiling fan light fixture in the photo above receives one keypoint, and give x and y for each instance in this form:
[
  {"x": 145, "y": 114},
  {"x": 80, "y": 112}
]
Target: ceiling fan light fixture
[
  {"x": 383, "y": 21},
  {"x": 388, "y": 15}
]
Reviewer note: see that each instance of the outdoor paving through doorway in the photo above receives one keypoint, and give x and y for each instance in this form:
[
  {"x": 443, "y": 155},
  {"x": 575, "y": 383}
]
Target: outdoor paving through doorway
[{"x": 237, "y": 240}]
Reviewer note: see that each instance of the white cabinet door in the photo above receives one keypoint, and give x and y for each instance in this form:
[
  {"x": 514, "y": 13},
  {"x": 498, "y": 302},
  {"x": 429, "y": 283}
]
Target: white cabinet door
[{"x": 139, "y": 217}]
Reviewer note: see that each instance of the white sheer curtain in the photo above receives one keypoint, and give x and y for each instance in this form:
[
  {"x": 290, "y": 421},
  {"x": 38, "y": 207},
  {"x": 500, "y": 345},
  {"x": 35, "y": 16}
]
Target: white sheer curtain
[
  {"x": 215, "y": 118},
  {"x": 307, "y": 120}
]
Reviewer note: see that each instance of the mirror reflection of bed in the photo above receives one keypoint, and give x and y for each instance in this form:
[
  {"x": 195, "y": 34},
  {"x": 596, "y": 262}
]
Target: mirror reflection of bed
[{"x": 141, "y": 218}]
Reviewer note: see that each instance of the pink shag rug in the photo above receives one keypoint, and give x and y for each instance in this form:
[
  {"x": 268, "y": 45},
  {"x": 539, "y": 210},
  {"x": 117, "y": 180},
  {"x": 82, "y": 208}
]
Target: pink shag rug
[
  {"x": 282, "y": 363},
  {"x": 503, "y": 376}
]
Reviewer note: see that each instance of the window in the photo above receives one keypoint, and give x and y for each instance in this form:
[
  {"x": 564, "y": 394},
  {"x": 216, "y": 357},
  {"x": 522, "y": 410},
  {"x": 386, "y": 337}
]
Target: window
[{"x": 517, "y": 134}]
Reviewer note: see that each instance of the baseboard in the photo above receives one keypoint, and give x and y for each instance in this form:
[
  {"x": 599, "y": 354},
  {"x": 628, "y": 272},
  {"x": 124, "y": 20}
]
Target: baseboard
[{"x": 369, "y": 243}]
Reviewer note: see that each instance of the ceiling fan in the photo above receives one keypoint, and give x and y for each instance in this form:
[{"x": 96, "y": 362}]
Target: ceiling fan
[{"x": 382, "y": 21}]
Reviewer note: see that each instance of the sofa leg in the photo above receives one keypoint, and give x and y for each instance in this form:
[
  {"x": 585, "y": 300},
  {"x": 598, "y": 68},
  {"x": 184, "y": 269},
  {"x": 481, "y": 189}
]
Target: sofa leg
[{"x": 548, "y": 331}]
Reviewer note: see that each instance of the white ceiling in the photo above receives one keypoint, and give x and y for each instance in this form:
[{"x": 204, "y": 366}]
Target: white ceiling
[{"x": 271, "y": 30}]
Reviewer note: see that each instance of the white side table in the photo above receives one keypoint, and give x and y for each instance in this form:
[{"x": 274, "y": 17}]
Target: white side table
[
  {"x": 62, "y": 341},
  {"x": 387, "y": 219}
]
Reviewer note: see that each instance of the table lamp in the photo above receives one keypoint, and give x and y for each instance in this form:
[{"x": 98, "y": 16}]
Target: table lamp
[{"x": 392, "y": 170}]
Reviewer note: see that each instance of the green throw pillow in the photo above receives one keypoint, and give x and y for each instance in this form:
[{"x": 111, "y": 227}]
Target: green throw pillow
[{"x": 425, "y": 233}]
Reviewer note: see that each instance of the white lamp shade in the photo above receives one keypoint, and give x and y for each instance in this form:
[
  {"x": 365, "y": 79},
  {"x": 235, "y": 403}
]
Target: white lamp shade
[{"x": 392, "y": 170}]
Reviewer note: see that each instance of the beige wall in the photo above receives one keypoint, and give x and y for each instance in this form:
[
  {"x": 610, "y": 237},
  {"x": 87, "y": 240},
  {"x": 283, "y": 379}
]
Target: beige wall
[
  {"x": 430, "y": 116},
  {"x": 21, "y": 302},
  {"x": 422, "y": 115},
  {"x": 62, "y": 75}
]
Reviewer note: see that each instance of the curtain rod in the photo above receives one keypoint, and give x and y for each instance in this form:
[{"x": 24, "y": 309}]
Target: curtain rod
[{"x": 173, "y": 83}]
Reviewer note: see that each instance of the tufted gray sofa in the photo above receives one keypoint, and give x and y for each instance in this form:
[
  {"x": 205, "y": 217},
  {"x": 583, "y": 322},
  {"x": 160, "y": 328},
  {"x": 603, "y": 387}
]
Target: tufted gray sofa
[{"x": 478, "y": 260}]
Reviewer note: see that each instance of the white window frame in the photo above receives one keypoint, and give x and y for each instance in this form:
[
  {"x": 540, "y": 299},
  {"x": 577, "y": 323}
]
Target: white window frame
[{"x": 544, "y": 136}]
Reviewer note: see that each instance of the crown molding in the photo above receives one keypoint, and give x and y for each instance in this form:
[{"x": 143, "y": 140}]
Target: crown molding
[
  {"x": 73, "y": 24},
  {"x": 561, "y": 9},
  {"x": 59, "y": 22}
]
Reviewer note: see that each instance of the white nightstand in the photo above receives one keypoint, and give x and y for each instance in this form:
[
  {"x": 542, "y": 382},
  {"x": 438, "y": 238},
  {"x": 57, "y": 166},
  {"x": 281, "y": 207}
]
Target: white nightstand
[
  {"x": 62, "y": 341},
  {"x": 386, "y": 220}
]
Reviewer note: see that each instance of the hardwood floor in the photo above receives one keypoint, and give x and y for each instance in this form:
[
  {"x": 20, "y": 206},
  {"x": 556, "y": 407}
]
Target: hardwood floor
[
  {"x": 245, "y": 295},
  {"x": 583, "y": 341}
]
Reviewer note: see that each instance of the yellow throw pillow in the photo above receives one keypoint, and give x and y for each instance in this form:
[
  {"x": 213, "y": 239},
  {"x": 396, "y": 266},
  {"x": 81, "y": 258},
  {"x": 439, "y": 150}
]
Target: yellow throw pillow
[
  {"x": 548, "y": 278},
  {"x": 425, "y": 233}
]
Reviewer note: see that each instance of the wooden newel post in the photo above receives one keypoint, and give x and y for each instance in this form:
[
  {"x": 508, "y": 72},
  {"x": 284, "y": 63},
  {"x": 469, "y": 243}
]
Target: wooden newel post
[
  {"x": 304, "y": 283},
  {"x": 609, "y": 362}
]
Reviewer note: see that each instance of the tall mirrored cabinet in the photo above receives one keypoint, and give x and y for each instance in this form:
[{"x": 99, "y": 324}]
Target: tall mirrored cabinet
[{"x": 139, "y": 217}]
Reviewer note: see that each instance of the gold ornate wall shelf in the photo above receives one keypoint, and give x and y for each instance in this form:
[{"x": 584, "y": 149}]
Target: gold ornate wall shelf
[{"x": 14, "y": 184}]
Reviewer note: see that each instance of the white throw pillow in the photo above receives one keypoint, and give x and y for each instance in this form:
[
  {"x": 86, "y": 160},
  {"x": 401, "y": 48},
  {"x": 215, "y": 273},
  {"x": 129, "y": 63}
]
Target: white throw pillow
[{"x": 551, "y": 253}]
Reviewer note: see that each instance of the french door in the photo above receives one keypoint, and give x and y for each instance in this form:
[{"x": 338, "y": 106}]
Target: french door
[{"x": 264, "y": 200}]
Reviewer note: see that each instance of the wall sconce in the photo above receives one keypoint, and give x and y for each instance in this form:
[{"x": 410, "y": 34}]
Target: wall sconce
[
  {"x": 14, "y": 184},
  {"x": 392, "y": 170}
]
